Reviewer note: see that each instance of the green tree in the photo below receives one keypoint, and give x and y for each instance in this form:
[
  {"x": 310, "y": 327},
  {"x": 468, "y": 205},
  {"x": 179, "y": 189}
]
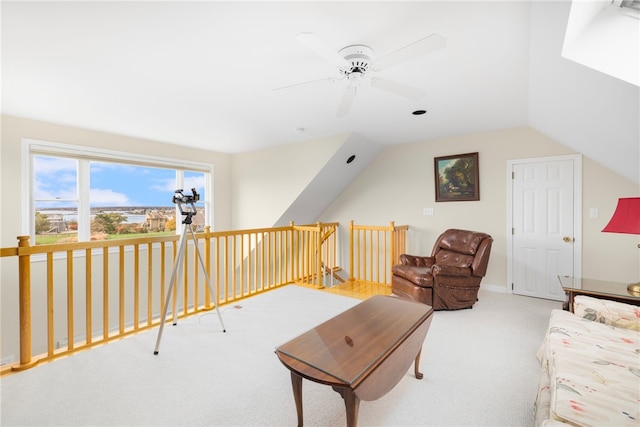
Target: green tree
[
  {"x": 42, "y": 223},
  {"x": 459, "y": 177},
  {"x": 107, "y": 222}
]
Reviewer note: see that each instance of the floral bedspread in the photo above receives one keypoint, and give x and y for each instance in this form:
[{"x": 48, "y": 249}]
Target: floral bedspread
[{"x": 590, "y": 370}]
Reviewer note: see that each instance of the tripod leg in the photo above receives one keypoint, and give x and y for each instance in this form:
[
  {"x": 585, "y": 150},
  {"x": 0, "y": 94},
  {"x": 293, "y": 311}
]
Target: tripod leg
[
  {"x": 174, "y": 273},
  {"x": 214, "y": 293}
]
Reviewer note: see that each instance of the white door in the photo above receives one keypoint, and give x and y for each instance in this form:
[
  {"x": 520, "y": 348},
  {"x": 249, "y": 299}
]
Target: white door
[{"x": 543, "y": 232}]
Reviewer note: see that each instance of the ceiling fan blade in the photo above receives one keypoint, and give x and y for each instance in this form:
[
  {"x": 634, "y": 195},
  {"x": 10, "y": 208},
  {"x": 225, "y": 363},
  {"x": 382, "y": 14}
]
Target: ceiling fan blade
[
  {"x": 414, "y": 50},
  {"x": 321, "y": 49},
  {"x": 310, "y": 82},
  {"x": 396, "y": 88},
  {"x": 346, "y": 101}
]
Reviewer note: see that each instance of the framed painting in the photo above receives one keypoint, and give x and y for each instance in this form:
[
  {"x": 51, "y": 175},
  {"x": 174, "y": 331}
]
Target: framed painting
[{"x": 457, "y": 178}]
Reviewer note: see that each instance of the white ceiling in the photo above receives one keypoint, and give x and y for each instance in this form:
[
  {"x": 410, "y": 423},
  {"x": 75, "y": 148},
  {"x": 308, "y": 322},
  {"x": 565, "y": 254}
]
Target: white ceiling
[{"x": 202, "y": 74}]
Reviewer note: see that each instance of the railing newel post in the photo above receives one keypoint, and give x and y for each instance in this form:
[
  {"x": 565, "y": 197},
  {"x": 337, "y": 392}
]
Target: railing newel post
[{"x": 24, "y": 292}]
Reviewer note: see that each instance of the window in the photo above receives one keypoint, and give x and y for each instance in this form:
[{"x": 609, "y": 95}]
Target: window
[
  {"x": 628, "y": 7},
  {"x": 80, "y": 194},
  {"x": 632, "y": 4}
]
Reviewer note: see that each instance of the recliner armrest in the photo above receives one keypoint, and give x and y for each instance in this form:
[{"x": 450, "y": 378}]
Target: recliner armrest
[
  {"x": 450, "y": 270},
  {"x": 418, "y": 261}
]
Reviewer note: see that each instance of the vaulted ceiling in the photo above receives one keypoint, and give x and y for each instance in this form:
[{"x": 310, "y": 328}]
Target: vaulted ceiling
[{"x": 203, "y": 74}]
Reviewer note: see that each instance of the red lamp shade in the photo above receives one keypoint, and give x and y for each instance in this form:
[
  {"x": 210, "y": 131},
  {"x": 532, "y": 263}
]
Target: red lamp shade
[{"x": 626, "y": 218}]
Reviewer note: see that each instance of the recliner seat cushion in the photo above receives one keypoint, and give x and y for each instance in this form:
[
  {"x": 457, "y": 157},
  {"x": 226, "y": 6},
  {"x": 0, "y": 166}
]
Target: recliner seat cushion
[{"x": 421, "y": 276}]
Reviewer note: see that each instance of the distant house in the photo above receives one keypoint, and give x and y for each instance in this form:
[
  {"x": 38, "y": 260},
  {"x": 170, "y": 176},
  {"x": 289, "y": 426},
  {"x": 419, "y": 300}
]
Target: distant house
[
  {"x": 57, "y": 224},
  {"x": 198, "y": 221},
  {"x": 155, "y": 221}
]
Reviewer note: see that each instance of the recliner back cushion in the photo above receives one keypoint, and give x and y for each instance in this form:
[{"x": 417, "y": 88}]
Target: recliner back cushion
[
  {"x": 462, "y": 241},
  {"x": 455, "y": 259}
]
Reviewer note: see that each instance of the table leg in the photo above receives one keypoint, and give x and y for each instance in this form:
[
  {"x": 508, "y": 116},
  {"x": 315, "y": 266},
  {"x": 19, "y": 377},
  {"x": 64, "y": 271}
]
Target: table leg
[
  {"x": 296, "y": 382},
  {"x": 417, "y": 366},
  {"x": 351, "y": 403},
  {"x": 567, "y": 305}
]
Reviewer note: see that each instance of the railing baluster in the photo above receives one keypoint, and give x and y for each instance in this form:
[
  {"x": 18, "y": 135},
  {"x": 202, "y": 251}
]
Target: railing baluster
[
  {"x": 149, "y": 283},
  {"x": 196, "y": 274},
  {"x": 136, "y": 286},
  {"x": 70, "y": 332},
  {"x": 185, "y": 280},
  {"x": 174, "y": 290},
  {"x": 105, "y": 293},
  {"x": 163, "y": 266},
  {"x": 88, "y": 297},
  {"x": 50, "y": 305},
  {"x": 121, "y": 288}
]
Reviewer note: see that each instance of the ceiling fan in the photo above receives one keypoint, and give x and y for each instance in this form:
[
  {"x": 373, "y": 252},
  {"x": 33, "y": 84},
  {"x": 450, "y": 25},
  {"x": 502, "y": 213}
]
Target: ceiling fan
[{"x": 356, "y": 64}]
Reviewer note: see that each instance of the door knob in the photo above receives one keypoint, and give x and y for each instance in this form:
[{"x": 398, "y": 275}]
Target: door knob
[{"x": 566, "y": 239}]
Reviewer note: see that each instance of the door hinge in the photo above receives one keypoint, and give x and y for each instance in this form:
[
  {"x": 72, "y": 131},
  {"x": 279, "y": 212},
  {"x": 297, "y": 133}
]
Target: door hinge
[
  {"x": 511, "y": 286},
  {"x": 513, "y": 231},
  {"x": 513, "y": 175}
]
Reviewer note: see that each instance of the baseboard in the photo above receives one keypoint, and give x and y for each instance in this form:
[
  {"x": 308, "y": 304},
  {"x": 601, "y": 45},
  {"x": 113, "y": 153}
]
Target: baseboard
[{"x": 494, "y": 288}]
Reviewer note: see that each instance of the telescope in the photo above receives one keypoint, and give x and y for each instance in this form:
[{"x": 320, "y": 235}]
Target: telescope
[{"x": 180, "y": 197}]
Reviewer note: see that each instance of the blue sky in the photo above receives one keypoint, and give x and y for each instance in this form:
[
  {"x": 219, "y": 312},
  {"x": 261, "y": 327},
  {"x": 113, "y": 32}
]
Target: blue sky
[{"x": 112, "y": 184}]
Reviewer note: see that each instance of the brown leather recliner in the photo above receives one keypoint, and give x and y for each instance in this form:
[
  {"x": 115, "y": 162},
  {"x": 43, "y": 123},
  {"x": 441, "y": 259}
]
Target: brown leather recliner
[{"x": 450, "y": 278}]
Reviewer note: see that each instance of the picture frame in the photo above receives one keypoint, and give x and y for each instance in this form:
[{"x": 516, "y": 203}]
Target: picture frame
[{"x": 457, "y": 178}]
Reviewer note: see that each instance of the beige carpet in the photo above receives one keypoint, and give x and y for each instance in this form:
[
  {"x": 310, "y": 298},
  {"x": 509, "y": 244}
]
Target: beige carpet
[{"x": 479, "y": 369}]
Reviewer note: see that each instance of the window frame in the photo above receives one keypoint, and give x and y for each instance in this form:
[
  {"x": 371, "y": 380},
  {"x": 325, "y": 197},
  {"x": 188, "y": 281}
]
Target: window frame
[{"x": 84, "y": 155}]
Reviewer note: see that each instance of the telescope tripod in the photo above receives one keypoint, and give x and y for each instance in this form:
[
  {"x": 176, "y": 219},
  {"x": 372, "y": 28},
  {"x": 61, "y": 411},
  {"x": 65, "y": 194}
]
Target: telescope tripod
[{"x": 177, "y": 267}]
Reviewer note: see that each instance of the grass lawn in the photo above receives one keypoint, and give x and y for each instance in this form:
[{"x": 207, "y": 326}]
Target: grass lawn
[{"x": 48, "y": 239}]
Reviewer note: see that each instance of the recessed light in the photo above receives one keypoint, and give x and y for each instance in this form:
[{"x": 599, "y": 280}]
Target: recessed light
[
  {"x": 351, "y": 158},
  {"x": 419, "y": 112}
]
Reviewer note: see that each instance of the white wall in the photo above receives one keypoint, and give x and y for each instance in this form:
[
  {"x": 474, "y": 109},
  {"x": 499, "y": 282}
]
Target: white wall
[
  {"x": 399, "y": 183},
  {"x": 15, "y": 129},
  {"x": 265, "y": 183}
]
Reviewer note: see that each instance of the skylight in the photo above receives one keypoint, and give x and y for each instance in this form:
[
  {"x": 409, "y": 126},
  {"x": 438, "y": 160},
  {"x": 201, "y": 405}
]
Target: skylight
[
  {"x": 633, "y": 4},
  {"x": 603, "y": 35}
]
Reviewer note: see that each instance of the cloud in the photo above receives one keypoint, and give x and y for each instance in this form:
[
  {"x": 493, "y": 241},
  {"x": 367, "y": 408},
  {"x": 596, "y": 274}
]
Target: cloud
[
  {"x": 196, "y": 182},
  {"x": 54, "y": 165},
  {"x": 168, "y": 185},
  {"x": 53, "y": 190},
  {"x": 106, "y": 197}
]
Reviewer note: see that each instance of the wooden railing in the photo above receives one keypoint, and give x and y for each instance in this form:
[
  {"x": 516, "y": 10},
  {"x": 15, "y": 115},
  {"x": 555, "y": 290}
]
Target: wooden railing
[
  {"x": 373, "y": 250},
  {"x": 74, "y": 296}
]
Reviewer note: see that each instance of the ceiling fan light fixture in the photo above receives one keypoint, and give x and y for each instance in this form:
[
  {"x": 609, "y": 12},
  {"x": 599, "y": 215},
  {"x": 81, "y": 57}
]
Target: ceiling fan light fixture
[
  {"x": 358, "y": 59},
  {"x": 355, "y": 78}
]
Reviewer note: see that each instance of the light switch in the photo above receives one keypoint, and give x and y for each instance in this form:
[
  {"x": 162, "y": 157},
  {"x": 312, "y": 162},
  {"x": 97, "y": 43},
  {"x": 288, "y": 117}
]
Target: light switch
[
  {"x": 593, "y": 212},
  {"x": 427, "y": 211}
]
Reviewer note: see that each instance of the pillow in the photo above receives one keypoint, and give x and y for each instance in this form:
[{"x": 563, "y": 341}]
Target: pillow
[{"x": 611, "y": 313}]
